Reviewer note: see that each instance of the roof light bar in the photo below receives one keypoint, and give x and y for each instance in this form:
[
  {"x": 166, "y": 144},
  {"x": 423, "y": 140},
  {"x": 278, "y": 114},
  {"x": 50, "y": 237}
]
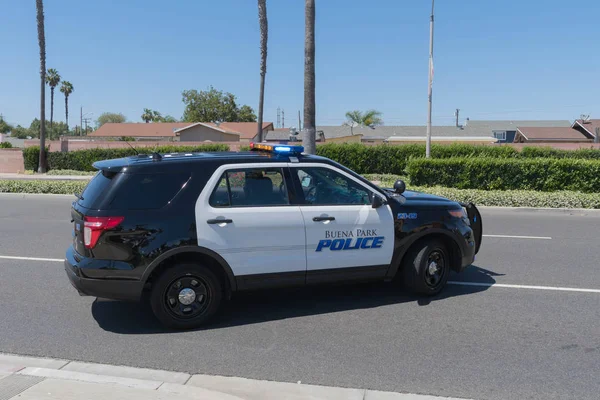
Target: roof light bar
[{"x": 276, "y": 148}]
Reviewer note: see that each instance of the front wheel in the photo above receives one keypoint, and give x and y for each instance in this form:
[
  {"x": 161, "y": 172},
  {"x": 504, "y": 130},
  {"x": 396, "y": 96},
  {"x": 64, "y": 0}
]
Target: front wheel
[
  {"x": 186, "y": 296},
  {"x": 426, "y": 267}
]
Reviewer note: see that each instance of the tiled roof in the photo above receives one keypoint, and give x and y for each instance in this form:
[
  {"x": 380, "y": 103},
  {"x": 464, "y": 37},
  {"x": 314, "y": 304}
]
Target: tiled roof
[
  {"x": 246, "y": 130},
  {"x": 589, "y": 126},
  {"x": 556, "y": 133},
  {"x": 139, "y": 129}
]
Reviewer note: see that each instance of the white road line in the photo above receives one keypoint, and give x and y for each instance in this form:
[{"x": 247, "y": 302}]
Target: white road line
[
  {"x": 32, "y": 259},
  {"x": 519, "y": 237},
  {"x": 503, "y": 285}
]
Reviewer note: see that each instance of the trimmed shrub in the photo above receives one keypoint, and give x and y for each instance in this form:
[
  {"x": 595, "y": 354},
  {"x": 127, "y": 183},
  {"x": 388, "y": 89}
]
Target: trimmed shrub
[
  {"x": 42, "y": 186},
  {"x": 82, "y": 160},
  {"x": 31, "y": 158},
  {"x": 541, "y": 174},
  {"x": 59, "y": 172},
  {"x": 6, "y": 145},
  {"x": 388, "y": 159},
  {"x": 549, "y": 152}
]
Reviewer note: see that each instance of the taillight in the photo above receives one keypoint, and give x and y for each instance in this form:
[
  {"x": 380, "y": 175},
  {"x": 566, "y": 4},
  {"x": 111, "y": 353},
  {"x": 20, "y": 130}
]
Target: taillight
[{"x": 94, "y": 226}]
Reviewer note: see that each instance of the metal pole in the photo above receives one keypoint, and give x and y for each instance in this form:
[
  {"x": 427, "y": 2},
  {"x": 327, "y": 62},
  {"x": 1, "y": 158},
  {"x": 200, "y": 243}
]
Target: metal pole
[
  {"x": 429, "y": 106},
  {"x": 80, "y": 120},
  {"x": 597, "y": 138}
]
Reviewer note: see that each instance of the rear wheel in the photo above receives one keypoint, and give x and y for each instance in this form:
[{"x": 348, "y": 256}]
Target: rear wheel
[
  {"x": 186, "y": 296},
  {"x": 426, "y": 267}
]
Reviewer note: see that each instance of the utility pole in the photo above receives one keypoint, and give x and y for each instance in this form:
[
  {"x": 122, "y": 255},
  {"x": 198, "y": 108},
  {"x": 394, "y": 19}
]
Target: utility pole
[
  {"x": 299, "y": 122},
  {"x": 456, "y": 114},
  {"x": 278, "y": 117},
  {"x": 80, "y": 120},
  {"x": 597, "y": 138},
  {"x": 283, "y": 118},
  {"x": 428, "y": 142}
]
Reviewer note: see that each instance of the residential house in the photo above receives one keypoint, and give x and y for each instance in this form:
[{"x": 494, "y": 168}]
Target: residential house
[
  {"x": 183, "y": 131},
  {"x": 505, "y": 131},
  {"x": 549, "y": 135},
  {"x": 588, "y": 127}
]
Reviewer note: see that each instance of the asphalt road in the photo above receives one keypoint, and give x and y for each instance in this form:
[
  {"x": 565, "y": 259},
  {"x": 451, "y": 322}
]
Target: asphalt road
[{"x": 472, "y": 341}]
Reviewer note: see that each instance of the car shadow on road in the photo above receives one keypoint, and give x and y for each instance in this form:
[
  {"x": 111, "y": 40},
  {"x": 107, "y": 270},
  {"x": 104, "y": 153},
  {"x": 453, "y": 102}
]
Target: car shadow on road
[{"x": 269, "y": 305}]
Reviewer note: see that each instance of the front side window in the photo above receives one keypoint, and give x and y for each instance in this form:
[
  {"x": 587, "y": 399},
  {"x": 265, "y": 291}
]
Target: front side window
[
  {"x": 323, "y": 186},
  {"x": 250, "y": 187}
]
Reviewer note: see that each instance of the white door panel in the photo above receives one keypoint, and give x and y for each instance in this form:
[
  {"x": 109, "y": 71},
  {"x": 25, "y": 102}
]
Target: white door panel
[
  {"x": 359, "y": 236},
  {"x": 258, "y": 239}
]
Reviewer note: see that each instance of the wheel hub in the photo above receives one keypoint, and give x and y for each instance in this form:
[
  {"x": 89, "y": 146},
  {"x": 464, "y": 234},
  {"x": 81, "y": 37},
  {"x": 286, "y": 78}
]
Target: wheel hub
[
  {"x": 187, "y": 296},
  {"x": 433, "y": 268}
]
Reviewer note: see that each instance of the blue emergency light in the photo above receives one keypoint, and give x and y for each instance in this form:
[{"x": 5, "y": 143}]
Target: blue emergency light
[{"x": 276, "y": 148}]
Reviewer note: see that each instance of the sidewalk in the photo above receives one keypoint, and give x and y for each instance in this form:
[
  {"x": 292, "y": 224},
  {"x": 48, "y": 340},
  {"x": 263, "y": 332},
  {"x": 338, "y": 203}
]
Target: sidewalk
[
  {"x": 29, "y": 378},
  {"x": 23, "y": 177}
]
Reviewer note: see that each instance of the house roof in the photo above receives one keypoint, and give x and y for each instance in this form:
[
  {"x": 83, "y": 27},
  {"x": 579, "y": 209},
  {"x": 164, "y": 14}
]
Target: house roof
[
  {"x": 138, "y": 129},
  {"x": 551, "y": 134},
  {"x": 508, "y": 125},
  {"x": 246, "y": 130},
  {"x": 589, "y": 126},
  {"x": 383, "y": 132}
]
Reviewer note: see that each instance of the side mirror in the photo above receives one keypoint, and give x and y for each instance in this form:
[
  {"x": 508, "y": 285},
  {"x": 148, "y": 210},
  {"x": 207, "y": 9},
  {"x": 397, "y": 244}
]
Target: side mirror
[
  {"x": 376, "y": 201},
  {"x": 399, "y": 186}
]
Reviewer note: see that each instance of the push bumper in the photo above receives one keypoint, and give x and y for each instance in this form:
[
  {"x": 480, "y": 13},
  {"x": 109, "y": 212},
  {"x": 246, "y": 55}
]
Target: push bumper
[{"x": 116, "y": 289}]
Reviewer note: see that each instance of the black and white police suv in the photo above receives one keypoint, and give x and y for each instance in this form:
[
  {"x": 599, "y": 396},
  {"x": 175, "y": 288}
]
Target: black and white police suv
[{"x": 188, "y": 230}]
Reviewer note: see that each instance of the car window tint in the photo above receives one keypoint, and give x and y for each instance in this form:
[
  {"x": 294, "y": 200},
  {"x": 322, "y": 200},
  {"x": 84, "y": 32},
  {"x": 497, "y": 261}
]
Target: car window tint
[
  {"x": 323, "y": 186},
  {"x": 97, "y": 189},
  {"x": 250, "y": 188},
  {"x": 147, "y": 191}
]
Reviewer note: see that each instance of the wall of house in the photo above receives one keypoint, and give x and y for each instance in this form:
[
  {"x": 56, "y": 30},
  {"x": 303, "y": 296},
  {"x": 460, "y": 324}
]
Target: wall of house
[
  {"x": 72, "y": 145},
  {"x": 200, "y": 133}
]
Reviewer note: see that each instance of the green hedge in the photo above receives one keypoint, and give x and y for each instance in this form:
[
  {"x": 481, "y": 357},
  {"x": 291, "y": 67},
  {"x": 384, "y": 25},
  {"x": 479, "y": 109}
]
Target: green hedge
[
  {"x": 6, "y": 145},
  {"x": 42, "y": 186},
  {"x": 391, "y": 159},
  {"x": 541, "y": 174},
  {"x": 549, "y": 152},
  {"x": 82, "y": 160}
]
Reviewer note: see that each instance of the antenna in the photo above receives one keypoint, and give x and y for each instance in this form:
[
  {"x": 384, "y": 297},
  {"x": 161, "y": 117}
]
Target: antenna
[
  {"x": 585, "y": 118},
  {"x": 283, "y": 118},
  {"x": 278, "y": 117},
  {"x": 133, "y": 148}
]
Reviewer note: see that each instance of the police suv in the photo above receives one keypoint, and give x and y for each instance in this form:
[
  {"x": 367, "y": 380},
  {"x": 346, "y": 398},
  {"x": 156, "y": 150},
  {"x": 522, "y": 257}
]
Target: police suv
[{"x": 188, "y": 230}]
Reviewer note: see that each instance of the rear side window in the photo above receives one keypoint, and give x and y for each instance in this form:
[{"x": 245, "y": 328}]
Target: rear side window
[
  {"x": 147, "y": 191},
  {"x": 132, "y": 191},
  {"x": 255, "y": 187}
]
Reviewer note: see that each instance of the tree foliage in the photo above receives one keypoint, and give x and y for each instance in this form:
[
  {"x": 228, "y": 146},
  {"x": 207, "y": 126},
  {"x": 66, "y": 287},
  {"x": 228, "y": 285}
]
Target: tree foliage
[
  {"x": 367, "y": 118},
  {"x": 214, "y": 105},
  {"x": 5, "y": 127},
  {"x": 154, "y": 116},
  {"x": 52, "y": 79},
  {"x": 110, "y": 117}
]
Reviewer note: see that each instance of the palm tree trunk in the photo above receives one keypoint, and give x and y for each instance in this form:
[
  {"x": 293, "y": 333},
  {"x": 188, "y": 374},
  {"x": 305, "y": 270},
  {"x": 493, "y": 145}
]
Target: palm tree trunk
[
  {"x": 39, "y": 4},
  {"x": 309, "y": 78},
  {"x": 264, "y": 36},
  {"x": 67, "y": 112},
  {"x": 51, "y": 105}
]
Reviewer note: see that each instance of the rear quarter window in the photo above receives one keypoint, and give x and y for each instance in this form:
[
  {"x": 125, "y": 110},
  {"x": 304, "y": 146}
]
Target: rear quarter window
[{"x": 132, "y": 191}]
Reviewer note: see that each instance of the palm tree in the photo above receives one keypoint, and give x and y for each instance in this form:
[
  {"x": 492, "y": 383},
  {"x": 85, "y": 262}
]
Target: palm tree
[
  {"x": 264, "y": 36},
  {"x": 39, "y": 5},
  {"x": 309, "y": 77},
  {"x": 67, "y": 89},
  {"x": 148, "y": 115},
  {"x": 52, "y": 79},
  {"x": 369, "y": 118}
]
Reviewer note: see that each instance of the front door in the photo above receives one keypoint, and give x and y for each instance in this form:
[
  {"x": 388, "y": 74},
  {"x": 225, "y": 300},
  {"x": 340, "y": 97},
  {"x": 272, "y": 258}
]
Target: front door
[
  {"x": 244, "y": 215},
  {"x": 346, "y": 238}
]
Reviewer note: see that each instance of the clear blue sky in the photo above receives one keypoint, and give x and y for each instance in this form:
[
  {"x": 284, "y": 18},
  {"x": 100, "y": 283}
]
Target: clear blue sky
[{"x": 508, "y": 59}]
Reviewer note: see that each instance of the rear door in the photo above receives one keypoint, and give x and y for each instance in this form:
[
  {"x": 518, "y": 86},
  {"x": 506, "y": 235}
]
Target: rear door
[
  {"x": 244, "y": 215},
  {"x": 346, "y": 237}
]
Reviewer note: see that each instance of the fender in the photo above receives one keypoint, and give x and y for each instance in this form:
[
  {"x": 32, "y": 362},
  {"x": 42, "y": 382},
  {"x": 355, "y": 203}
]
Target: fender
[
  {"x": 192, "y": 249},
  {"x": 405, "y": 244}
]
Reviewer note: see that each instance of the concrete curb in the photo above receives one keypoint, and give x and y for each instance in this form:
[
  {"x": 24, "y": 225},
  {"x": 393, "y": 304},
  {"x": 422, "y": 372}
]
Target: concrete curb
[{"x": 182, "y": 384}]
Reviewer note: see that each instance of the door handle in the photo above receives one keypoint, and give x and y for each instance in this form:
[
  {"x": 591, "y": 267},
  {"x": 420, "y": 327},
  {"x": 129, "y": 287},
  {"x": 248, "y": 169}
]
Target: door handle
[
  {"x": 319, "y": 219},
  {"x": 219, "y": 221}
]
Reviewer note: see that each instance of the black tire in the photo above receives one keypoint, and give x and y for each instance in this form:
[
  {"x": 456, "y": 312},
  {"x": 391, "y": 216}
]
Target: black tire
[
  {"x": 170, "y": 287},
  {"x": 416, "y": 272}
]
